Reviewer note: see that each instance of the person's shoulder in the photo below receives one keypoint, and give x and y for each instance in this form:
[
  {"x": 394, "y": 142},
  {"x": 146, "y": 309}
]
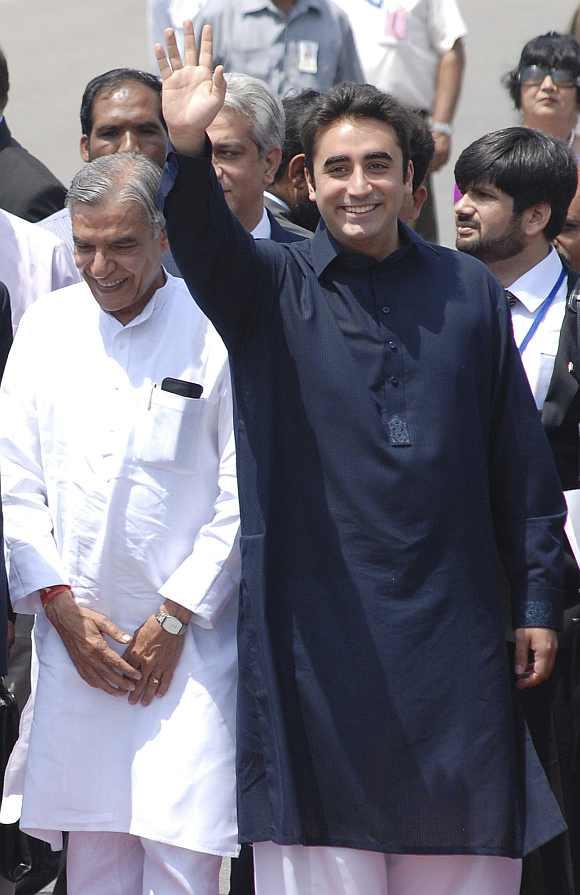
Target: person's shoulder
[
  {"x": 27, "y": 233},
  {"x": 335, "y": 12},
  {"x": 60, "y": 311}
]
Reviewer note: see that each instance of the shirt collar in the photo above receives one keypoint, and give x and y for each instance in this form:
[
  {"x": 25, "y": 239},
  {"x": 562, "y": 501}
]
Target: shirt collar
[
  {"x": 324, "y": 248},
  {"x": 156, "y": 301},
  {"x": 263, "y": 229},
  {"x": 276, "y": 200},
  {"x": 247, "y": 7},
  {"x": 534, "y": 286}
]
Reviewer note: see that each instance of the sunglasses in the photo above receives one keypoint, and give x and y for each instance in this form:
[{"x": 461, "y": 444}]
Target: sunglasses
[{"x": 535, "y": 74}]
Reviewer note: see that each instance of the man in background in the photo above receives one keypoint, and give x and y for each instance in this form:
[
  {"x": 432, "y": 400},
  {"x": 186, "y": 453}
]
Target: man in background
[
  {"x": 120, "y": 112},
  {"x": 27, "y": 188},
  {"x": 287, "y": 197},
  {"x": 517, "y": 185},
  {"x": 292, "y": 45}
]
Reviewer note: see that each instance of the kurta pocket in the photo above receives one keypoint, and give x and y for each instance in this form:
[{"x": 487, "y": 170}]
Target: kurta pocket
[{"x": 168, "y": 431}]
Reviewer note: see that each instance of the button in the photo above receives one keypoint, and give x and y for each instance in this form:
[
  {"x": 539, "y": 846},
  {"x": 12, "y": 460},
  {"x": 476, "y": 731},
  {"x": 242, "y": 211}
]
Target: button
[
  {"x": 394, "y": 381},
  {"x": 386, "y": 309},
  {"x": 392, "y": 345}
]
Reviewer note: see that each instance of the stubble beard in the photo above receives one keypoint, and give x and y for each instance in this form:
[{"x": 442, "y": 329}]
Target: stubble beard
[{"x": 499, "y": 248}]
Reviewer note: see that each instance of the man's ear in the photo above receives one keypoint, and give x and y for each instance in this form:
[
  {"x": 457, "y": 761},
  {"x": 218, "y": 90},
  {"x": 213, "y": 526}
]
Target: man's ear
[
  {"x": 410, "y": 171},
  {"x": 85, "y": 148},
  {"x": 535, "y": 219},
  {"x": 419, "y": 199},
  {"x": 297, "y": 173},
  {"x": 163, "y": 240},
  {"x": 310, "y": 184},
  {"x": 272, "y": 159}
]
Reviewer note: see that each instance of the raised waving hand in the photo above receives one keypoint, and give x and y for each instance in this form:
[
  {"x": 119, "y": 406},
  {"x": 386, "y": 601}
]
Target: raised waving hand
[{"x": 193, "y": 93}]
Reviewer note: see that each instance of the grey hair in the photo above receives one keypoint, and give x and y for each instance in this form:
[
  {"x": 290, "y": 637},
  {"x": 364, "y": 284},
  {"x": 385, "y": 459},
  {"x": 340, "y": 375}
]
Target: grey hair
[
  {"x": 252, "y": 98},
  {"x": 124, "y": 177}
]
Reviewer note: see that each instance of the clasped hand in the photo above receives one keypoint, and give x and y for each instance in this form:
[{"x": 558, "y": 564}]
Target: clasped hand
[{"x": 143, "y": 671}]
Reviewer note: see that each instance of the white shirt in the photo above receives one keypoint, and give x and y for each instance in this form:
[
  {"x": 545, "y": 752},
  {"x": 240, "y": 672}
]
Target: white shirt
[
  {"x": 540, "y": 354},
  {"x": 163, "y": 14},
  {"x": 263, "y": 229},
  {"x": 32, "y": 263},
  {"x": 128, "y": 493},
  {"x": 400, "y": 43}
]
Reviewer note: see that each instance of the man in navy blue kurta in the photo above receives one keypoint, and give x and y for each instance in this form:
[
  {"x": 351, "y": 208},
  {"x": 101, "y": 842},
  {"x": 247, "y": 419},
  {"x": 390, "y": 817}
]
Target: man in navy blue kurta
[{"x": 392, "y": 467}]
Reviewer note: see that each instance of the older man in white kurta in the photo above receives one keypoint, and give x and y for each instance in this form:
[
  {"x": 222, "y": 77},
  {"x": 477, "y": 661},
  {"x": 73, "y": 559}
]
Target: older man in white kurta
[{"x": 119, "y": 480}]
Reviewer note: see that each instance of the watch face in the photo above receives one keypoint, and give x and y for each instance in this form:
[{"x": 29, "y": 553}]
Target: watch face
[{"x": 172, "y": 625}]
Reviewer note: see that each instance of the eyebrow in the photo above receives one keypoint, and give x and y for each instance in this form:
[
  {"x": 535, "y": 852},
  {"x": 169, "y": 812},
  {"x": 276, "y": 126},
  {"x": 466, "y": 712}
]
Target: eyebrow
[{"x": 371, "y": 156}]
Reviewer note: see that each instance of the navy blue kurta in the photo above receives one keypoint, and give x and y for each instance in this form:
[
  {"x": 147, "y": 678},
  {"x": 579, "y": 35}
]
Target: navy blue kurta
[{"x": 390, "y": 459}]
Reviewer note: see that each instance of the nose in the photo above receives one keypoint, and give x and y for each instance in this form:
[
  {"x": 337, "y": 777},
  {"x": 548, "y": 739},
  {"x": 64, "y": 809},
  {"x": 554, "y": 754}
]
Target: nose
[
  {"x": 548, "y": 84},
  {"x": 130, "y": 142},
  {"x": 100, "y": 266},
  {"x": 463, "y": 208},
  {"x": 358, "y": 184},
  {"x": 218, "y": 170}
]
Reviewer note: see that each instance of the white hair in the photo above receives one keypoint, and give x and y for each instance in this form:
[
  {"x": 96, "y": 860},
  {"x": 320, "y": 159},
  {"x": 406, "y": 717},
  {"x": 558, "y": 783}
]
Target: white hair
[
  {"x": 252, "y": 98},
  {"x": 124, "y": 177}
]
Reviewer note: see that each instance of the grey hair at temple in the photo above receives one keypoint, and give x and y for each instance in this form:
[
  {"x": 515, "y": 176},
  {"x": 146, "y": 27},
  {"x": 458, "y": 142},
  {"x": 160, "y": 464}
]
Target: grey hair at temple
[
  {"x": 251, "y": 97},
  {"x": 122, "y": 177}
]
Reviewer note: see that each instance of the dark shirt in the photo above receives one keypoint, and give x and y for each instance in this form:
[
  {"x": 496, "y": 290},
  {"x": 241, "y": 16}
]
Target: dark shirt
[{"x": 389, "y": 454}]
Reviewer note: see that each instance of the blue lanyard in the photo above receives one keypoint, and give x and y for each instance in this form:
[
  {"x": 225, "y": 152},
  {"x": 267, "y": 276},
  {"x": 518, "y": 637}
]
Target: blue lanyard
[{"x": 541, "y": 313}]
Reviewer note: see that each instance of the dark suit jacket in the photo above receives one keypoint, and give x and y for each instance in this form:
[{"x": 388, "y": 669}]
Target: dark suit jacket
[
  {"x": 5, "y": 343},
  {"x": 285, "y": 233},
  {"x": 561, "y": 413},
  {"x": 275, "y": 212},
  {"x": 27, "y": 188}
]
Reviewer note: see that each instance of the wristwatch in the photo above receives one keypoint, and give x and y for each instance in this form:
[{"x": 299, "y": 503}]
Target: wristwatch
[{"x": 170, "y": 623}]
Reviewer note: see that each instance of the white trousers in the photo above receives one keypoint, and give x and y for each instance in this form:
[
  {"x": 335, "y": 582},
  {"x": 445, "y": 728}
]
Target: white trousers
[
  {"x": 121, "y": 864},
  {"x": 301, "y": 870}
]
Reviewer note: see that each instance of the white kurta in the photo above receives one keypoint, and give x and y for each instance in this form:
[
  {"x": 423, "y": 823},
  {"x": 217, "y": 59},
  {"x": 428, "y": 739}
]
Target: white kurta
[
  {"x": 32, "y": 263},
  {"x": 139, "y": 487}
]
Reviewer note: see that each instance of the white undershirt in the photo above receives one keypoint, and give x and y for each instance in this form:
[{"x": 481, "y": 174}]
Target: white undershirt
[{"x": 540, "y": 354}]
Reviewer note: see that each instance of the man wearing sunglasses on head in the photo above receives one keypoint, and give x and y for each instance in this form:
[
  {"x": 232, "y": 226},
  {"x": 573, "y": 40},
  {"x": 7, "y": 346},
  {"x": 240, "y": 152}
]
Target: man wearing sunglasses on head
[{"x": 545, "y": 86}]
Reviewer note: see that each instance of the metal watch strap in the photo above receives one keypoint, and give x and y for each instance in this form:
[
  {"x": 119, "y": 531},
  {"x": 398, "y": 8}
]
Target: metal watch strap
[{"x": 163, "y": 617}]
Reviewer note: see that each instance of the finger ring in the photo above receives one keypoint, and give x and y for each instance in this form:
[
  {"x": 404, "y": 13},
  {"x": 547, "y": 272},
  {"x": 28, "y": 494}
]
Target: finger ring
[{"x": 155, "y": 680}]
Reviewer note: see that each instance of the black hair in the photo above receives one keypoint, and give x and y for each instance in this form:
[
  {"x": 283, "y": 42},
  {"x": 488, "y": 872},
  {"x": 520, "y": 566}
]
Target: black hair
[
  {"x": 295, "y": 109},
  {"x": 551, "y": 50},
  {"x": 355, "y": 101},
  {"x": 421, "y": 148},
  {"x": 525, "y": 164},
  {"x": 4, "y": 81},
  {"x": 109, "y": 81}
]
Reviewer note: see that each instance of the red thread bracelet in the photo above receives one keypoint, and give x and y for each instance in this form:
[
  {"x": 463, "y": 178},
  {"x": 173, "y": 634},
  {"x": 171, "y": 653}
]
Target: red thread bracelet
[{"x": 49, "y": 593}]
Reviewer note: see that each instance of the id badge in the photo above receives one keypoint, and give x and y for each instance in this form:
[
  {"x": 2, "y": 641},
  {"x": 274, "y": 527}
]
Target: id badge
[
  {"x": 308, "y": 57},
  {"x": 395, "y": 26}
]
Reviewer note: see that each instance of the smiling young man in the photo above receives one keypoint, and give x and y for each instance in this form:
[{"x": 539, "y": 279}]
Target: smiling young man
[
  {"x": 121, "y": 514},
  {"x": 389, "y": 456}
]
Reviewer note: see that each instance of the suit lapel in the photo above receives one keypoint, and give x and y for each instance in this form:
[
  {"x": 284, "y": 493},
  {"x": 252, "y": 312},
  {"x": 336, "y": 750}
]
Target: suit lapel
[
  {"x": 563, "y": 384},
  {"x": 5, "y": 135}
]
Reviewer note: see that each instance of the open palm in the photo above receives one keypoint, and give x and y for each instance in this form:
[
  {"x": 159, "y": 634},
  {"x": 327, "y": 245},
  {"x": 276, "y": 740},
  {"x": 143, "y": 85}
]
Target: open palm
[{"x": 193, "y": 93}]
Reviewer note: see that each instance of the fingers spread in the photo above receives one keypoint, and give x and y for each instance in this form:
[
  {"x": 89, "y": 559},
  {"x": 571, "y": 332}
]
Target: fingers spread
[
  {"x": 162, "y": 61},
  {"x": 189, "y": 47},
  {"x": 172, "y": 49},
  {"x": 206, "y": 47}
]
